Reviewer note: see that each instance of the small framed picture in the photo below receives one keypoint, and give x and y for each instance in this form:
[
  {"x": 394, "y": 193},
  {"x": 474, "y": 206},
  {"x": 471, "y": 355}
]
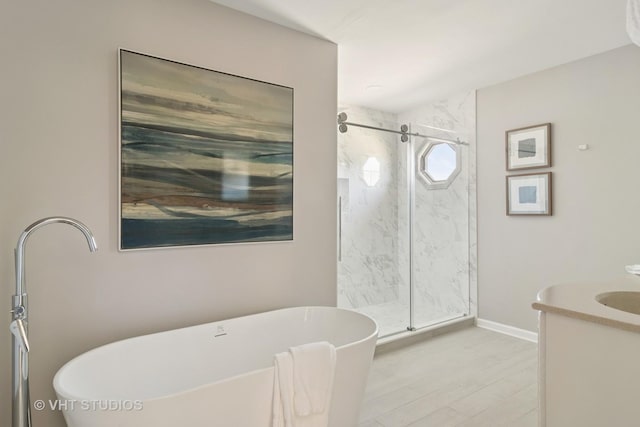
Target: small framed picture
[
  {"x": 529, "y": 147},
  {"x": 529, "y": 194}
]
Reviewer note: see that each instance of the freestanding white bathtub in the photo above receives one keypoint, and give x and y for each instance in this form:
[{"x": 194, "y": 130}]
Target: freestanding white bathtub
[{"x": 215, "y": 375}]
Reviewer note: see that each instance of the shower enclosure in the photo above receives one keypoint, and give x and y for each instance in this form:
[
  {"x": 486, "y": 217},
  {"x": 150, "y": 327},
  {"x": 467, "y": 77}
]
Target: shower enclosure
[{"x": 404, "y": 221}]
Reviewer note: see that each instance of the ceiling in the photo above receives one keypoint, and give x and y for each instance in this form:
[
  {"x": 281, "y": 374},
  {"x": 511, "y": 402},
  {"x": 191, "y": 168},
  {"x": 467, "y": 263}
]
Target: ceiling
[{"x": 394, "y": 55}]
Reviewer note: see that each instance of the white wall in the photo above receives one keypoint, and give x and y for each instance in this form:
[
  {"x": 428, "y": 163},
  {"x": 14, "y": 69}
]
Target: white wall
[
  {"x": 593, "y": 232},
  {"x": 58, "y": 136}
]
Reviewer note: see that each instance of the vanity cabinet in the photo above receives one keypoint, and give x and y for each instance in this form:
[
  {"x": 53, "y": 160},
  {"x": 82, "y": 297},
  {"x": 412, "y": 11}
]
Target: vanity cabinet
[{"x": 589, "y": 358}]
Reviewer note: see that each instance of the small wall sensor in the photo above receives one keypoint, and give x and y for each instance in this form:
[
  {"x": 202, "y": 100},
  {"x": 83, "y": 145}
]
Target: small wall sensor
[{"x": 583, "y": 147}]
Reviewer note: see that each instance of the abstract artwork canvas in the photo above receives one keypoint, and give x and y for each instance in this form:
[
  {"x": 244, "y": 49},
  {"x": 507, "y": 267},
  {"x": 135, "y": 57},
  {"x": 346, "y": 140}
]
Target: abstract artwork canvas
[{"x": 205, "y": 157}]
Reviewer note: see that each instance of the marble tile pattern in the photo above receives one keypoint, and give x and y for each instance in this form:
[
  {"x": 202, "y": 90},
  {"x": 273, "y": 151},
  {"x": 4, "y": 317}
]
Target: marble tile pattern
[
  {"x": 368, "y": 269},
  {"x": 444, "y": 223},
  {"x": 375, "y": 268}
]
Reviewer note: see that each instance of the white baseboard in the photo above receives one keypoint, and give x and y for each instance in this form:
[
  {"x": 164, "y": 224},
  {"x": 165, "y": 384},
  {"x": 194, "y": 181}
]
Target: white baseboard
[{"x": 507, "y": 330}]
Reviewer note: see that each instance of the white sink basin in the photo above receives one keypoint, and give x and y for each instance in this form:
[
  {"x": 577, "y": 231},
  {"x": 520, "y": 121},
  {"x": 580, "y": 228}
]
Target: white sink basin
[{"x": 628, "y": 301}]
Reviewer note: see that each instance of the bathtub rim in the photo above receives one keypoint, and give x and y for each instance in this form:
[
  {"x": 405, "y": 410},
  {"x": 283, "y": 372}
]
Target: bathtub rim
[{"x": 70, "y": 396}]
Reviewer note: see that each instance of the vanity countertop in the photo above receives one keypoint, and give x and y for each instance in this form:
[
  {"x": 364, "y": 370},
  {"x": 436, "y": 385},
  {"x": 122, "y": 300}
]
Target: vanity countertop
[{"x": 578, "y": 300}]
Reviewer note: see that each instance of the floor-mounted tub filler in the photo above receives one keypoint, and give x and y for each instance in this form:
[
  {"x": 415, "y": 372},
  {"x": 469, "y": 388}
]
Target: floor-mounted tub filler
[
  {"x": 20, "y": 401},
  {"x": 216, "y": 374}
]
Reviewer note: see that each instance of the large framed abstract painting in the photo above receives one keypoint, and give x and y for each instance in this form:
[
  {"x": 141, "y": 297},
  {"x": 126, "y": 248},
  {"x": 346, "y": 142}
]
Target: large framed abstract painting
[{"x": 205, "y": 157}]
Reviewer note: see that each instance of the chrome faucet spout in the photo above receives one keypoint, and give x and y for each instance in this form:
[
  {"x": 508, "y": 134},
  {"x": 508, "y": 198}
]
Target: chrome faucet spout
[
  {"x": 22, "y": 240},
  {"x": 21, "y": 413}
]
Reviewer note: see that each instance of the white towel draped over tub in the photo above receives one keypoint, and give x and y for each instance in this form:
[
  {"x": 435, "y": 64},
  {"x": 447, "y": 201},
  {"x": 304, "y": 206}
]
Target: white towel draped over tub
[
  {"x": 633, "y": 20},
  {"x": 302, "y": 385}
]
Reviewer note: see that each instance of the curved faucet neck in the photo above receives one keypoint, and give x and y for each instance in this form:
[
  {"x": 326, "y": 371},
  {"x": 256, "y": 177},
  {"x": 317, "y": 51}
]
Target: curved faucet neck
[{"x": 22, "y": 240}]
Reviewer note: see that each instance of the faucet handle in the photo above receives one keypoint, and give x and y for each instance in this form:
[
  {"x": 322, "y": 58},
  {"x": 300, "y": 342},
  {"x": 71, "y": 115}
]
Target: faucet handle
[
  {"x": 18, "y": 311},
  {"x": 17, "y": 329}
]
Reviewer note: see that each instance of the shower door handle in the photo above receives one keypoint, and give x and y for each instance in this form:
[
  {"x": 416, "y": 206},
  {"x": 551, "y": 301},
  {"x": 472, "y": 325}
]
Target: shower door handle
[{"x": 340, "y": 229}]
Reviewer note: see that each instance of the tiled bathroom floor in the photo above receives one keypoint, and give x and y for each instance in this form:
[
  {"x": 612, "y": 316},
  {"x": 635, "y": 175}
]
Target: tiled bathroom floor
[{"x": 468, "y": 378}]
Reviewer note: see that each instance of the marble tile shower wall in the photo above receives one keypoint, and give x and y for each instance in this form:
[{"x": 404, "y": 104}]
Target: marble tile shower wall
[
  {"x": 375, "y": 239},
  {"x": 445, "y": 261},
  {"x": 368, "y": 272}
]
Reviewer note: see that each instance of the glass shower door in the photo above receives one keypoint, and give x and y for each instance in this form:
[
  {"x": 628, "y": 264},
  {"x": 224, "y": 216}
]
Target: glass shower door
[
  {"x": 440, "y": 231},
  {"x": 404, "y": 242},
  {"x": 373, "y": 236}
]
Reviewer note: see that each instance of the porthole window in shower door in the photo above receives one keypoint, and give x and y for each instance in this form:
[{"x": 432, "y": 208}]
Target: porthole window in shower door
[{"x": 439, "y": 164}]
